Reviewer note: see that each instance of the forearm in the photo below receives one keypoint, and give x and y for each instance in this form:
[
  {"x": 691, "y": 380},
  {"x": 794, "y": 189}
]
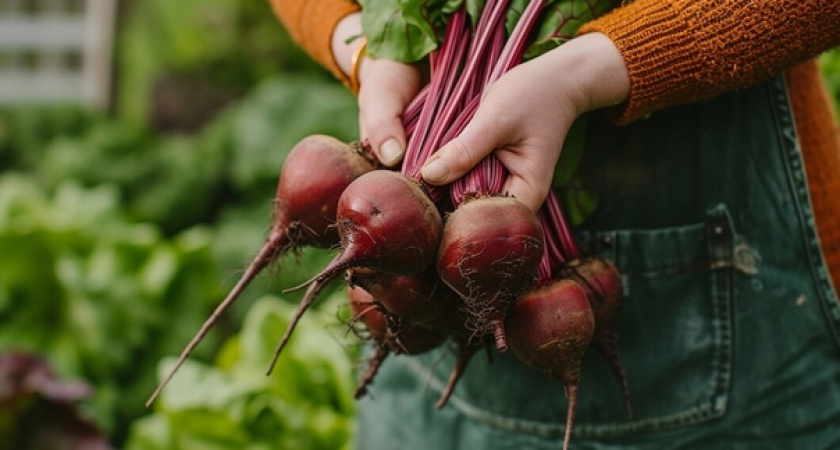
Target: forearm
[{"x": 678, "y": 51}]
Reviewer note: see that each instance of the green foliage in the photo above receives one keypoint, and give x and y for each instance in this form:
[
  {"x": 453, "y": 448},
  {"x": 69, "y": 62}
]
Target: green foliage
[
  {"x": 231, "y": 404},
  {"x": 177, "y": 181},
  {"x": 234, "y": 44},
  {"x": 93, "y": 292},
  {"x": 117, "y": 244},
  {"x": 561, "y": 20},
  {"x": 408, "y": 30},
  {"x": 405, "y": 30}
]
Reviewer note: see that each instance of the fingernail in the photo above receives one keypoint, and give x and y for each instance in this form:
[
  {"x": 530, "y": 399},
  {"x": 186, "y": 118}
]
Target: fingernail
[
  {"x": 391, "y": 152},
  {"x": 435, "y": 171}
]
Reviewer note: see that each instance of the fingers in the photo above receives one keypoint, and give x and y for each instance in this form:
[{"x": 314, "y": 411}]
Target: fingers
[
  {"x": 386, "y": 89},
  {"x": 528, "y": 179},
  {"x": 459, "y": 155},
  {"x": 386, "y": 136}
]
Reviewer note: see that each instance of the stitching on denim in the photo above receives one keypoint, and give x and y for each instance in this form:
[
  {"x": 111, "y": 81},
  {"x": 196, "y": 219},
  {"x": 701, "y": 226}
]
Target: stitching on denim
[
  {"x": 697, "y": 414},
  {"x": 796, "y": 171},
  {"x": 723, "y": 281}
]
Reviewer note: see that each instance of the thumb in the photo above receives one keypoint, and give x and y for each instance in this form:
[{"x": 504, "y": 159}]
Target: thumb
[{"x": 458, "y": 156}]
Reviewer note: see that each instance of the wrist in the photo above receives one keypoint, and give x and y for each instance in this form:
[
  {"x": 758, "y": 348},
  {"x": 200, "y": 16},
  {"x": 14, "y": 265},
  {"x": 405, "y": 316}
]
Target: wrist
[
  {"x": 590, "y": 70},
  {"x": 347, "y": 40}
]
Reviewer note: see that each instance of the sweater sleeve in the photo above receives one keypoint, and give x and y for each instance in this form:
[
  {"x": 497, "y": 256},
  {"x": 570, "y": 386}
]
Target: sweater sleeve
[
  {"x": 679, "y": 51},
  {"x": 310, "y": 23}
]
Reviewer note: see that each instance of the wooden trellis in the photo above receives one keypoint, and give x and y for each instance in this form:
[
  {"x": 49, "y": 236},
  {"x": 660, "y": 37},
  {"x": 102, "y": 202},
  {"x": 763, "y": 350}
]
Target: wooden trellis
[{"x": 56, "y": 50}]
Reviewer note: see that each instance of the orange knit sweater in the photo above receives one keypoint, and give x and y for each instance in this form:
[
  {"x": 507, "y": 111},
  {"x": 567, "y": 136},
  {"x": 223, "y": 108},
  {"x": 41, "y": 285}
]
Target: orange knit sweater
[{"x": 739, "y": 42}]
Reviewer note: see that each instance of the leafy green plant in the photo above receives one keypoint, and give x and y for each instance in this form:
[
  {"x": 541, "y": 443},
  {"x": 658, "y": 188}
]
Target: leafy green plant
[
  {"x": 117, "y": 244},
  {"x": 410, "y": 30},
  {"x": 94, "y": 293},
  {"x": 232, "y": 44},
  {"x": 306, "y": 403}
]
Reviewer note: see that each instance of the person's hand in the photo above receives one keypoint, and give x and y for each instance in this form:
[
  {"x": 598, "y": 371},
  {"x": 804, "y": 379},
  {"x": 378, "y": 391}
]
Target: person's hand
[
  {"x": 525, "y": 115},
  {"x": 385, "y": 89}
]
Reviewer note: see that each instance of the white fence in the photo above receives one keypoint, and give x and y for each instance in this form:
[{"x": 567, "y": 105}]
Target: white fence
[{"x": 56, "y": 50}]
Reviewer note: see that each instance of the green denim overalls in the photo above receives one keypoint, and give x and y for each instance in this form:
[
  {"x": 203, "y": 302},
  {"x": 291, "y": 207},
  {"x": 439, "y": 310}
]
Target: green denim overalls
[{"x": 730, "y": 327}]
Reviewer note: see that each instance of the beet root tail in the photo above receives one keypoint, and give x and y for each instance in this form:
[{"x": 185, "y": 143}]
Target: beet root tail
[
  {"x": 606, "y": 341},
  {"x": 276, "y": 244},
  {"x": 375, "y": 363},
  {"x": 342, "y": 261},
  {"x": 310, "y": 296},
  {"x": 571, "y": 397},
  {"x": 316, "y": 285},
  {"x": 463, "y": 359}
]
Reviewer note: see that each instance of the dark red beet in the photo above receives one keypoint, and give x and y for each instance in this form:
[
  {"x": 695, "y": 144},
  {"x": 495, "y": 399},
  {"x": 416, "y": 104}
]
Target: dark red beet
[
  {"x": 389, "y": 335},
  {"x": 399, "y": 337},
  {"x": 387, "y": 223},
  {"x": 415, "y": 299},
  {"x": 451, "y": 321},
  {"x": 364, "y": 310},
  {"x": 551, "y": 328},
  {"x": 602, "y": 282},
  {"x": 315, "y": 173},
  {"x": 489, "y": 254}
]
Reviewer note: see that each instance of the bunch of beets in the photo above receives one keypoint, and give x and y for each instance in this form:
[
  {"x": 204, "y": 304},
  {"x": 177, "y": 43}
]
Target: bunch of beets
[{"x": 425, "y": 265}]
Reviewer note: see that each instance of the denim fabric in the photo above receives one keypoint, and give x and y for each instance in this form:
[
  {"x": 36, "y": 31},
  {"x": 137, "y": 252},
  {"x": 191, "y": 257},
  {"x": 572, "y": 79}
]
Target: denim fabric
[{"x": 730, "y": 327}]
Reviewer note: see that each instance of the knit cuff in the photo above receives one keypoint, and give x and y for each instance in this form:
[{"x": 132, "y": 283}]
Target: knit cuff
[
  {"x": 655, "y": 45},
  {"x": 681, "y": 51},
  {"x": 311, "y": 24}
]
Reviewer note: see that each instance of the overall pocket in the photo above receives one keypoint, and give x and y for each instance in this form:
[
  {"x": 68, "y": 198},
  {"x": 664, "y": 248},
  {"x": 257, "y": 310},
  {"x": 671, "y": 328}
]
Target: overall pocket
[{"x": 675, "y": 327}]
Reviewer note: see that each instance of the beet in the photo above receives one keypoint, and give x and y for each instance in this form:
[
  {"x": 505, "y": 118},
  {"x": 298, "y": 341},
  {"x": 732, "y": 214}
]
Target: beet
[
  {"x": 601, "y": 280},
  {"x": 415, "y": 299},
  {"x": 364, "y": 310},
  {"x": 489, "y": 254},
  {"x": 550, "y": 328},
  {"x": 305, "y": 204},
  {"x": 386, "y": 222},
  {"x": 390, "y": 336}
]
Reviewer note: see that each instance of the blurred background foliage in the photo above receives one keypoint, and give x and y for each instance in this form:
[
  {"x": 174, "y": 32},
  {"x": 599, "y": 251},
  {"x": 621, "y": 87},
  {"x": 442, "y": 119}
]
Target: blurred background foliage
[{"x": 120, "y": 230}]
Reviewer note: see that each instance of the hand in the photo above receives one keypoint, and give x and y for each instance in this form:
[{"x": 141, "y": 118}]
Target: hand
[
  {"x": 385, "y": 89},
  {"x": 525, "y": 115}
]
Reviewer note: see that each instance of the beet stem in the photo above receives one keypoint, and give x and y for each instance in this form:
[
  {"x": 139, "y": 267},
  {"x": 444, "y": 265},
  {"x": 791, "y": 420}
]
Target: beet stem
[{"x": 273, "y": 246}]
